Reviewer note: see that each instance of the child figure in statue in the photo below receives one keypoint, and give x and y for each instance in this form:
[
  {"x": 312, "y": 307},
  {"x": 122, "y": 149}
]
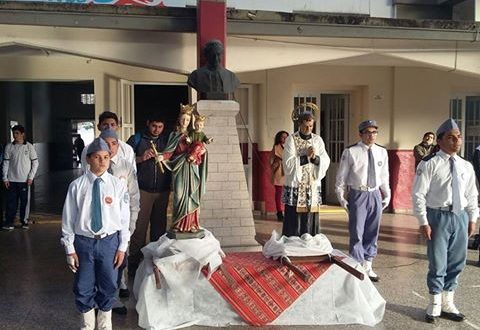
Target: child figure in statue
[{"x": 198, "y": 140}]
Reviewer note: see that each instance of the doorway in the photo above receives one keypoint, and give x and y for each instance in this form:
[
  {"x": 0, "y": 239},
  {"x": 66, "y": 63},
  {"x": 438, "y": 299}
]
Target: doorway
[{"x": 331, "y": 123}]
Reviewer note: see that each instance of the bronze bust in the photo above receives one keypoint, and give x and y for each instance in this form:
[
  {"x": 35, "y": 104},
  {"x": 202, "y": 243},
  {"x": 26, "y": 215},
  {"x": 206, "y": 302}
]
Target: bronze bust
[{"x": 212, "y": 81}]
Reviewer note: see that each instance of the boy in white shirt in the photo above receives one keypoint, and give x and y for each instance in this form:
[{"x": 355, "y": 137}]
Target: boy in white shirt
[{"x": 95, "y": 235}]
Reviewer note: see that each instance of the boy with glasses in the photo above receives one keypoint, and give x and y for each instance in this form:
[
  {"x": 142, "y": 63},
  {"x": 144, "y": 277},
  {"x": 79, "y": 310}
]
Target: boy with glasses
[{"x": 363, "y": 189}]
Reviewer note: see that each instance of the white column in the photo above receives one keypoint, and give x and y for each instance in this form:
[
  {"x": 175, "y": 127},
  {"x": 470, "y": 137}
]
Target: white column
[{"x": 226, "y": 207}]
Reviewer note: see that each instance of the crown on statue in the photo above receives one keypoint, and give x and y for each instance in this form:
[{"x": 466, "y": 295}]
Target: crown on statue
[
  {"x": 201, "y": 118},
  {"x": 187, "y": 109}
]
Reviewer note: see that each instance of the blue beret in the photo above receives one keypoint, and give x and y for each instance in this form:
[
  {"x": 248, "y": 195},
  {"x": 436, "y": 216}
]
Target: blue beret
[
  {"x": 446, "y": 126},
  {"x": 109, "y": 133},
  {"x": 366, "y": 124},
  {"x": 97, "y": 145}
]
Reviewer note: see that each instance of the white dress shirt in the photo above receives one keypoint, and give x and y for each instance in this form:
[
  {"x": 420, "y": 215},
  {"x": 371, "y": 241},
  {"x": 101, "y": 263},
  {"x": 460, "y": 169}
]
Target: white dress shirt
[
  {"x": 123, "y": 170},
  {"x": 76, "y": 218},
  {"x": 125, "y": 151},
  {"x": 20, "y": 162},
  {"x": 291, "y": 161},
  {"x": 432, "y": 186},
  {"x": 353, "y": 170}
]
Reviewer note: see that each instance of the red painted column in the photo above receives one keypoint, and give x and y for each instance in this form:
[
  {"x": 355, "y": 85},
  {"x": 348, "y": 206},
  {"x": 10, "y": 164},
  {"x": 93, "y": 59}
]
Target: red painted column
[
  {"x": 211, "y": 24},
  {"x": 402, "y": 173}
]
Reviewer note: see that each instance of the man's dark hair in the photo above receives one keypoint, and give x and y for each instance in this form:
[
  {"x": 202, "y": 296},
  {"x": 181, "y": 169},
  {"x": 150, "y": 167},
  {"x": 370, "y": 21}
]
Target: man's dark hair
[
  {"x": 106, "y": 115},
  {"x": 428, "y": 133},
  {"x": 156, "y": 117},
  {"x": 18, "y": 128}
]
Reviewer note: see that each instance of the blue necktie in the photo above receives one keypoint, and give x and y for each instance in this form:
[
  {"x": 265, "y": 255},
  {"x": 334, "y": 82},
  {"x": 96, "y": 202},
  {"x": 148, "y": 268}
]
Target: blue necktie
[
  {"x": 371, "y": 175},
  {"x": 96, "y": 224}
]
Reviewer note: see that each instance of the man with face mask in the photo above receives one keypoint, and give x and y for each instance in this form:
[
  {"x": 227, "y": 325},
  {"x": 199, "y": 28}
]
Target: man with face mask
[
  {"x": 363, "y": 190},
  {"x": 305, "y": 163}
]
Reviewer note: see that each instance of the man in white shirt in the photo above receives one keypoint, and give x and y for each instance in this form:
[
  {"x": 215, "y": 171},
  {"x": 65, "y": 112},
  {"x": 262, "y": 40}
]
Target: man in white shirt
[
  {"x": 109, "y": 120},
  {"x": 20, "y": 164},
  {"x": 123, "y": 170},
  {"x": 363, "y": 189},
  {"x": 95, "y": 235},
  {"x": 446, "y": 206}
]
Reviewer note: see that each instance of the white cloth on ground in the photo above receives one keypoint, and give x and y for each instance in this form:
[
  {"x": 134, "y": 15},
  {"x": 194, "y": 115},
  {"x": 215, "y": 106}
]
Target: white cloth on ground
[
  {"x": 180, "y": 263},
  {"x": 294, "y": 246},
  {"x": 335, "y": 298}
]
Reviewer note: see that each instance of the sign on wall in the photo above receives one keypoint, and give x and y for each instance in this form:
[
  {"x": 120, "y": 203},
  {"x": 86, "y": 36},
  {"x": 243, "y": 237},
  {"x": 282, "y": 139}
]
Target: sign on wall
[
  {"x": 141, "y": 3},
  {"x": 327, "y": 6}
]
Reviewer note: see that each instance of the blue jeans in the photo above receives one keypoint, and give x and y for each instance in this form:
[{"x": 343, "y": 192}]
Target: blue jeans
[
  {"x": 447, "y": 250},
  {"x": 96, "y": 278},
  {"x": 16, "y": 191}
]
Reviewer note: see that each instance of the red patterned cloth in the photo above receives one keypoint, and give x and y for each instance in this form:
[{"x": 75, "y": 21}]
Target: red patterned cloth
[{"x": 262, "y": 288}]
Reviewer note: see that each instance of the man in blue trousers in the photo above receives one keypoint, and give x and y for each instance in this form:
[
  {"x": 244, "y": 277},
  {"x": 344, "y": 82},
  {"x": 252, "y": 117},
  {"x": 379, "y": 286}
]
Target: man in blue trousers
[
  {"x": 363, "y": 189},
  {"x": 446, "y": 206}
]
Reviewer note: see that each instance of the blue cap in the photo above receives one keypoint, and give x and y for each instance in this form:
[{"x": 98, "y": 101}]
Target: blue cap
[
  {"x": 367, "y": 123},
  {"x": 109, "y": 133},
  {"x": 447, "y": 125},
  {"x": 97, "y": 145}
]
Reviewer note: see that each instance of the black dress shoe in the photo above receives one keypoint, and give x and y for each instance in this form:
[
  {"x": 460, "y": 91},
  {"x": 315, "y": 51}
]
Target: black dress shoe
[
  {"x": 124, "y": 293},
  {"x": 120, "y": 310},
  {"x": 453, "y": 317},
  {"x": 374, "y": 279},
  {"x": 430, "y": 318}
]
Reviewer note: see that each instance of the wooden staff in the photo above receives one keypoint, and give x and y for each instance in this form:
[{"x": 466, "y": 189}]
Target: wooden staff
[
  {"x": 286, "y": 262},
  {"x": 156, "y": 273},
  {"x": 330, "y": 258},
  {"x": 157, "y": 155}
]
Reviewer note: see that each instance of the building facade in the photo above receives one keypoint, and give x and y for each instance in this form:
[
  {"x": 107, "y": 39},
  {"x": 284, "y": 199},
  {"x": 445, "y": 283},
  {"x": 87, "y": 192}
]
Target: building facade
[{"x": 407, "y": 64}]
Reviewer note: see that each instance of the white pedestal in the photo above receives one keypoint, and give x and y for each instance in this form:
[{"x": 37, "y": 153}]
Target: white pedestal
[{"x": 226, "y": 207}]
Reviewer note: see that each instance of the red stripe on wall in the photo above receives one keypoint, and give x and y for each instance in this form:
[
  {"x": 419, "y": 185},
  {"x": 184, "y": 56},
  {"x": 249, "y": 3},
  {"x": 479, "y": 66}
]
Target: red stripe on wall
[{"x": 402, "y": 173}]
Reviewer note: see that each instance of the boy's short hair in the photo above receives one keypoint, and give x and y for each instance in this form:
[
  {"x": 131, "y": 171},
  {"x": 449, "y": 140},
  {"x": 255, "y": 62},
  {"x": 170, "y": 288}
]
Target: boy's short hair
[
  {"x": 18, "y": 128},
  {"x": 156, "y": 118},
  {"x": 107, "y": 115}
]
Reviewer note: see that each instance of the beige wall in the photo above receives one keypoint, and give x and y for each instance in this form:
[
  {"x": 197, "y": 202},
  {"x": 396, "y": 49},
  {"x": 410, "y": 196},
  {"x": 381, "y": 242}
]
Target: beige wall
[
  {"x": 405, "y": 101},
  {"x": 279, "y": 86}
]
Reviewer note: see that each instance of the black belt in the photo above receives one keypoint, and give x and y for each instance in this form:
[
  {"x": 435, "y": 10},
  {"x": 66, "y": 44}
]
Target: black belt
[
  {"x": 448, "y": 208},
  {"x": 101, "y": 236}
]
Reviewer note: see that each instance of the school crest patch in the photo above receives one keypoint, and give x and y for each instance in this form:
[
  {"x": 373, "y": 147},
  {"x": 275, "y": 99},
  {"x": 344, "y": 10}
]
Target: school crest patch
[{"x": 108, "y": 200}]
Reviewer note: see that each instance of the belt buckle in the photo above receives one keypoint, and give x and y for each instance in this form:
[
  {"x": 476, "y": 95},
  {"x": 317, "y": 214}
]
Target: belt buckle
[
  {"x": 363, "y": 188},
  {"x": 100, "y": 236}
]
